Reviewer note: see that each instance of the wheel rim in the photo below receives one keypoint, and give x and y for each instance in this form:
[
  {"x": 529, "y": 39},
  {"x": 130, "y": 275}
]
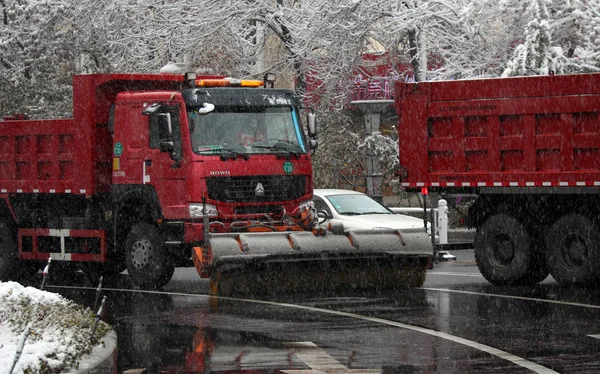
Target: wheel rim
[
  {"x": 574, "y": 251},
  {"x": 502, "y": 250},
  {"x": 141, "y": 254}
]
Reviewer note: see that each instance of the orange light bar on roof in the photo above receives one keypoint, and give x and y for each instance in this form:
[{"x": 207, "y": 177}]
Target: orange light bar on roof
[
  {"x": 212, "y": 82},
  {"x": 227, "y": 82},
  {"x": 251, "y": 83}
]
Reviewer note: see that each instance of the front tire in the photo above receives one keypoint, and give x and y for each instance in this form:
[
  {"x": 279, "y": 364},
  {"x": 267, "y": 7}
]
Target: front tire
[
  {"x": 573, "y": 244},
  {"x": 504, "y": 251},
  {"x": 148, "y": 263}
]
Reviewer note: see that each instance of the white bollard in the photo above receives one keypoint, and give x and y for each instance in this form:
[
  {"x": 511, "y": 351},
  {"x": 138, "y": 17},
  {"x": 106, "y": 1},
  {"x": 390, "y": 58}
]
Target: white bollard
[{"x": 443, "y": 221}]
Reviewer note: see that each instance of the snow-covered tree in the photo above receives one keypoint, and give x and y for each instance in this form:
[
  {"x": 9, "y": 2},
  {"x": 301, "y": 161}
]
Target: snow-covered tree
[
  {"x": 385, "y": 148},
  {"x": 417, "y": 31},
  {"x": 316, "y": 42},
  {"x": 338, "y": 162},
  {"x": 536, "y": 55},
  {"x": 559, "y": 37},
  {"x": 475, "y": 47},
  {"x": 34, "y": 55},
  {"x": 331, "y": 42},
  {"x": 576, "y": 29},
  {"x": 42, "y": 44}
]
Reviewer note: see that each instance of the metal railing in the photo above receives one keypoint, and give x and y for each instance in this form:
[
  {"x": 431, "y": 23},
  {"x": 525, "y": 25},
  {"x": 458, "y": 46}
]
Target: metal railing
[{"x": 440, "y": 219}]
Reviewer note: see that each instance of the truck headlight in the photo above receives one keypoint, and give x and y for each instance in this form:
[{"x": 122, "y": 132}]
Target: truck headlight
[{"x": 195, "y": 210}]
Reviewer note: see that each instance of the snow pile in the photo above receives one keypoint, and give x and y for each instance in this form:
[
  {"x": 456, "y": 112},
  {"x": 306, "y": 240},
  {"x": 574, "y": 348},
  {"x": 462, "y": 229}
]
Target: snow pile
[{"x": 60, "y": 330}]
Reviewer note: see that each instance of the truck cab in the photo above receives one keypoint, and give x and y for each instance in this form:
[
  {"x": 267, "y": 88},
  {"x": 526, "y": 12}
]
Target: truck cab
[{"x": 238, "y": 155}]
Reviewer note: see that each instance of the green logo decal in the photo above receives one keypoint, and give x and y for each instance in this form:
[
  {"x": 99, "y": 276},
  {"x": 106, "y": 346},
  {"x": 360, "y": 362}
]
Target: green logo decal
[
  {"x": 118, "y": 149},
  {"x": 288, "y": 167}
]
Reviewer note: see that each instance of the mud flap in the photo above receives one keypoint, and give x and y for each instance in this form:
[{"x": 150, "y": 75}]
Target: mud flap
[{"x": 282, "y": 262}]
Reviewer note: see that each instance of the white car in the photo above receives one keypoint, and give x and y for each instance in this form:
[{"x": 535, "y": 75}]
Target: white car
[{"x": 358, "y": 211}]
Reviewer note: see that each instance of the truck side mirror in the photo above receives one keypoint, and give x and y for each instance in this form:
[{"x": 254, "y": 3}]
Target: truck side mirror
[
  {"x": 165, "y": 129},
  {"x": 311, "y": 122},
  {"x": 312, "y": 125},
  {"x": 164, "y": 124}
]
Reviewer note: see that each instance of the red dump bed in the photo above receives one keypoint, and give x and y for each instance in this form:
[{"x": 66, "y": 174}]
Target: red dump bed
[
  {"x": 526, "y": 131},
  {"x": 70, "y": 155}
]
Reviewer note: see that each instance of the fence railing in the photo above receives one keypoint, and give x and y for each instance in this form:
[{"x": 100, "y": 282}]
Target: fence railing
[{"x": 440, "y": 219}]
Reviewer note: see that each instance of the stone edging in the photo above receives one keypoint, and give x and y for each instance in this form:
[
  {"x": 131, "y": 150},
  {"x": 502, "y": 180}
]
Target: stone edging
[{"x": 102, "y": 359}]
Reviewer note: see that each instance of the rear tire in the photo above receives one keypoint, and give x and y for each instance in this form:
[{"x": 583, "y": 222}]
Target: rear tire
[
  {"x": 503, "y": 251},
  {"x": 148, "y": 263},
  {"x": 573, "y": 245},
  {"x": 538, "y": 267}
]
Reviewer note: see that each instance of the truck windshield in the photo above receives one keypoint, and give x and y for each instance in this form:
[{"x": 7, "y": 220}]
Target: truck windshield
[{"x": 252, "y": 129}]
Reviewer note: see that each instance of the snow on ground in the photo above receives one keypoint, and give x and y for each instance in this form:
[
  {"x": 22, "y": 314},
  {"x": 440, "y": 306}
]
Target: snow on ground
[{"x": 60, "y": 330}]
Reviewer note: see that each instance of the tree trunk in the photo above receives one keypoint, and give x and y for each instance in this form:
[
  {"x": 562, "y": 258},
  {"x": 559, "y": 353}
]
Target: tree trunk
[{"x": 413, "y": 51}]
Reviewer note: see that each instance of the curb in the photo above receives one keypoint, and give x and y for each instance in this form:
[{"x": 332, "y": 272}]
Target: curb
[{"x": 102, "y": 359}]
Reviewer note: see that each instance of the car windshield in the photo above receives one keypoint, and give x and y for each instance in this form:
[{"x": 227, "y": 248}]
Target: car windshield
[
  {"x": 355, "y": 204},
  {"x": 252, "y": 129}
]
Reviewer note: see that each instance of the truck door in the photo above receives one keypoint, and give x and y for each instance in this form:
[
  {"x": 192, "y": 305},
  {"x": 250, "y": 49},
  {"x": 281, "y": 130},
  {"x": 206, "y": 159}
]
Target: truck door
[{"x": 164, "y": 166}]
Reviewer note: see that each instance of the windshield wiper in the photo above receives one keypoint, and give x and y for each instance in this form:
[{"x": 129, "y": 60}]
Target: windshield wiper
[
  {"x": 233, "y": 154},
  {"x": 350, "y": 214},
  {"x": 290, "y": 149},
  {"x": 376, "y": 213}
]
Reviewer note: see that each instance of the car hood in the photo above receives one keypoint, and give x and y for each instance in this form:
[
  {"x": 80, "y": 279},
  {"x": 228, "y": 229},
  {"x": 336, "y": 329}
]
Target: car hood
[{"x": 374, "y": 221}]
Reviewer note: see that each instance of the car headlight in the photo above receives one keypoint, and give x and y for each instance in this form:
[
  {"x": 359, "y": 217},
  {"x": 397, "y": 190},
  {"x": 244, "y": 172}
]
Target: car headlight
[{"x": 195, "y": 210}]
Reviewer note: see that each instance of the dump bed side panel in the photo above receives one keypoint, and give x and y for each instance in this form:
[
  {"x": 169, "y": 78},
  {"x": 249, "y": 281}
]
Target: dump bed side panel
[
  {"x": 533, "y": 131},
  {"x": 71, "y": 155},
  {"x": 49, "y": 156}
]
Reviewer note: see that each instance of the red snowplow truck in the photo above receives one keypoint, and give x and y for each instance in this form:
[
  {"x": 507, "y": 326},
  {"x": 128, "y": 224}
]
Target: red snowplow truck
[
  {"x": 155, "y": 171},
  {"x": 529, "y": 148}
]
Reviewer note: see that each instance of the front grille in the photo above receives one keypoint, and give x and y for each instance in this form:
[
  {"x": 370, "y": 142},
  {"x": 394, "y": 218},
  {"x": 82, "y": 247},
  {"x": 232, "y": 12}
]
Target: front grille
[
  {"x": 247, "y": 189},
  {"x": 260, "y": 209}
]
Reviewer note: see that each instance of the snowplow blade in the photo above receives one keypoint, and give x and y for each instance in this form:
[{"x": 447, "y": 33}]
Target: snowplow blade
[{"x": 303, "y": 261}]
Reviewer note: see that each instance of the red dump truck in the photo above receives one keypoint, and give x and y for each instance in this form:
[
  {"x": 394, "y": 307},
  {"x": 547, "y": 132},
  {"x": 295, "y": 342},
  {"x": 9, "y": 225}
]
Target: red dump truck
[
  {"x": 155, "y": 171},
  {"x": 529, "y": 148}
]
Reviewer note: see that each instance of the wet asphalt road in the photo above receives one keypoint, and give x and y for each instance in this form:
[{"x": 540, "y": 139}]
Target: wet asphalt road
[{"x": 455, "y": 323}]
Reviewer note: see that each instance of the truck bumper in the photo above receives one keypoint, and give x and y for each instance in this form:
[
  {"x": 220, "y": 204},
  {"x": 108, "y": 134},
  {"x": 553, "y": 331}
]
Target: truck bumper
[{"x": 193, "y": 232}]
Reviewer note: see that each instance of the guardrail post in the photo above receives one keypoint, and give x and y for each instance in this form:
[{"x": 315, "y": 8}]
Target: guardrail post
[
  {"x": 97, "y": 320},
  {"x": 442, "y": 211},
  {"x": 98, "y": 293},
  {"x": 45, "y": 273}
]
